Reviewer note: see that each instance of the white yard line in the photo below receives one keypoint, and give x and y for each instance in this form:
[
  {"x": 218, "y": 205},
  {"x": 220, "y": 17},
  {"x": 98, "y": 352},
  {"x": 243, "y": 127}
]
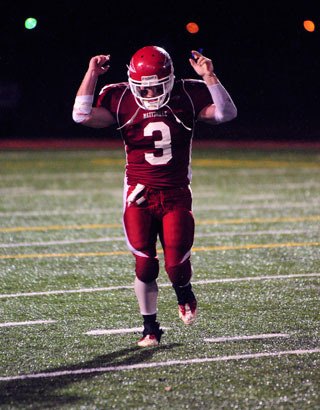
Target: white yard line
[
  {"x": 293, "y": 185},
  {"x": 121, "y": 239},
  {"x": 102, "y": 211},
  {"x": 257, "y": 206},
  {"x": 199, "y": 282},
  {"x": 66, "y": 291},
  {"x": 249, "y": 172},
  {"x": 84, "y": 211},
  {"x": 150, "y": 365},
  {"x": 64, "y": 242},
  {"x": 256, "y": 233},
  {"x": 27, "y": 323},
  {"x": 58, "y": 192},
  {"x": 100, "y": 332},
  {"x": 247, "y": 337},
  {"x": 65, "y": 176}
]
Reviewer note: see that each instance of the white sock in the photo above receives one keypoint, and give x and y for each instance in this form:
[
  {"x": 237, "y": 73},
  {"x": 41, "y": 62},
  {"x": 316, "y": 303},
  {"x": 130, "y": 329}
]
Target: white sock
[{"x": 147, "y": 295}]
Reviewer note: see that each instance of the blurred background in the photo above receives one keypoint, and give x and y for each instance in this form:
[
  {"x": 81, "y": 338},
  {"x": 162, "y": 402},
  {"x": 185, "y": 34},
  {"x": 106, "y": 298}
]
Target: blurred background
[{"x": 262, "y": 52}]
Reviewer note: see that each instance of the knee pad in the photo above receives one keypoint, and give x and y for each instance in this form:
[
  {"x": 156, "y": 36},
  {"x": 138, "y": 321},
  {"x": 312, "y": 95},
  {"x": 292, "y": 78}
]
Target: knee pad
[
  {"x": 147, "y": 268},
  {"x": 180, "y": 275}
]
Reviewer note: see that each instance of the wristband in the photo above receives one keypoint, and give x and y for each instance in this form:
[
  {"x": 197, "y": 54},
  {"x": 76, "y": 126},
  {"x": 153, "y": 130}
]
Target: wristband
[
  {"x": 82, "y": 107},
  {"x": 225, "y": 108},
  {"x": 218, "y": 94}
]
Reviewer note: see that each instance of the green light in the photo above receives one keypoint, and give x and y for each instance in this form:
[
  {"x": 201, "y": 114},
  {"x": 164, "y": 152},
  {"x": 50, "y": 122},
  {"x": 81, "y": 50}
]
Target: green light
[{"x": 30, "y": 23}]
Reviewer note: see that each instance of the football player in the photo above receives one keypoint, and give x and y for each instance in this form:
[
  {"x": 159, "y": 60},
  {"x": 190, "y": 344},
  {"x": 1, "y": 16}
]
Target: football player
[{"x": 156, "y": 114}]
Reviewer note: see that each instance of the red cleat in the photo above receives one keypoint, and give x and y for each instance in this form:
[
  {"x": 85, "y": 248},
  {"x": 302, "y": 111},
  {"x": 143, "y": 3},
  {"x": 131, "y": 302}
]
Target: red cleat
[{"x": 188, "y": 312}]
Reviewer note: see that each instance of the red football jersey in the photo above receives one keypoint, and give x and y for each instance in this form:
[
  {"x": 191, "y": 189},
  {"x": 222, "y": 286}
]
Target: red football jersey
[{"x": 157, "y": 142}]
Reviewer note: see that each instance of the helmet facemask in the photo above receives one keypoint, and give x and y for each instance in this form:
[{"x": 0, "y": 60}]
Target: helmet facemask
[
  {"x": 151, "y": 77},
  {"x": 161, "y": 90}
]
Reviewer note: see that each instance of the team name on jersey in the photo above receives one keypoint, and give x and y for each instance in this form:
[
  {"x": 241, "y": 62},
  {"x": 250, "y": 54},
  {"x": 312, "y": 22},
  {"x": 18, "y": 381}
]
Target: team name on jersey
[{"x": 154, "y": 114}]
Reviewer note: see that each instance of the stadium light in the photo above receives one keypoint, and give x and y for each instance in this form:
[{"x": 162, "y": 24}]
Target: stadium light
[
  {"x": 309, "y": 26},
  {"x": 30, "y": 23}
]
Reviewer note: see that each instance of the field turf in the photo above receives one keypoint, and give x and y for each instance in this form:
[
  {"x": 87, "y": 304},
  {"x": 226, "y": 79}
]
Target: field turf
[{"x": 69, "y": 319}]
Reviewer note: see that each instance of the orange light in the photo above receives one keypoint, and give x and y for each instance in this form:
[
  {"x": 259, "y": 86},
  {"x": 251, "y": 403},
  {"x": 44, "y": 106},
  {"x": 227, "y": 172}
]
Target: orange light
[
  {"x": 309, "y": 25},
  {"x": 192, "y": 27}
]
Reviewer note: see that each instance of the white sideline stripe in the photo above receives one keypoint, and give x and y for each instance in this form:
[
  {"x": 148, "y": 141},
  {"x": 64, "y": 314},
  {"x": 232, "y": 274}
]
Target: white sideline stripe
[
  {"x": 55, "y": 192},
  {"x": 111, "y": 174},
  {"x": 65, "y": 175},
  {"x": 27, "y": 323},
  {"x": 252, "y": 278},
  {"x": 62, "y": 292},
  {"x": 199, "y": 282},
  {"x": 251, "y": 337},
  {"x": 254, "y": 233},
  {"x": 294, "y": 185},
  {"x": 99, "y": 332},
  {"x": 60, "y": 212},
  {"x": 65, "y": 242},
  {"x": 121, "y": 239},
  {"x": 158, "y": 364},
  {"x": 256, "y": 206},
  {"x": 196, "y": 208}
]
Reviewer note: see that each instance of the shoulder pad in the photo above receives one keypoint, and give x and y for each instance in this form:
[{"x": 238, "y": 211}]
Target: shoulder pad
[{"x": 116, "y": 86}]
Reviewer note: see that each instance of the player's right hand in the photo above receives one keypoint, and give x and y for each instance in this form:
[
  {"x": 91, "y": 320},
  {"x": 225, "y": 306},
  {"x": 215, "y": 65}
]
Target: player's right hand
[{"x": 98, "y": 64}]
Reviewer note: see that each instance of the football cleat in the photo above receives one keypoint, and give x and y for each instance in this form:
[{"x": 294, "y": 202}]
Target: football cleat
[
  {"x": 151, "y": 335},
  {"x": 148, "y": 341},
  {"x": 188, "y": 312}
]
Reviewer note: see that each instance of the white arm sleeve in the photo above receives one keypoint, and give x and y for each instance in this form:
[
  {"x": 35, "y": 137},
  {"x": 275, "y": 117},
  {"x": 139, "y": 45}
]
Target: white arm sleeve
[
  {"x": 82, "y": 108},
  {"x": 225, "y": 108}
]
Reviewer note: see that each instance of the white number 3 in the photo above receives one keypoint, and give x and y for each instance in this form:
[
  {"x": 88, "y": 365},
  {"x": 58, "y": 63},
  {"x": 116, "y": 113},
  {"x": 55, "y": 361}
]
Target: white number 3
[{"x": 164, "y": 143}]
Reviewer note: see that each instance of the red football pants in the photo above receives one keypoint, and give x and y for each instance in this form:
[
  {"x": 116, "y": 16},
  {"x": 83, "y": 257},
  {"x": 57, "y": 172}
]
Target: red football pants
[{"x": 165, "y": 214}]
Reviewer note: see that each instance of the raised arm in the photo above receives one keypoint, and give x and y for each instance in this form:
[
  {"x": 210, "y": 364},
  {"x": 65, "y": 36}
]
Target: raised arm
[
  {"x": 223, "y": 108},
  {"x": 83, "y": 112}
]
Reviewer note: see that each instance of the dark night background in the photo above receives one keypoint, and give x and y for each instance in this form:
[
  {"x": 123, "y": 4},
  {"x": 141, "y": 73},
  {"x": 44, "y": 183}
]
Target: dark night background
[{"x": 260, "y": 50}]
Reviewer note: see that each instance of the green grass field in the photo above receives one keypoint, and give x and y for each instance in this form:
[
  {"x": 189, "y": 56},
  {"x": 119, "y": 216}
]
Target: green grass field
[{"x": 69, "y": 316}]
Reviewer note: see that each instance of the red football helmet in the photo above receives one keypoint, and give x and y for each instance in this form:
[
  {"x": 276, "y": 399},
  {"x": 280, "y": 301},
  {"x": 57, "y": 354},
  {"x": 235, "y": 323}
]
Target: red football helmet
[{"x": 151, "y": 77}]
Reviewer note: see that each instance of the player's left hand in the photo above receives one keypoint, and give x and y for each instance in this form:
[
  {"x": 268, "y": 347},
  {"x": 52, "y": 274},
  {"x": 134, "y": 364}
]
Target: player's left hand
[{"x": 202, "y": 65}]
